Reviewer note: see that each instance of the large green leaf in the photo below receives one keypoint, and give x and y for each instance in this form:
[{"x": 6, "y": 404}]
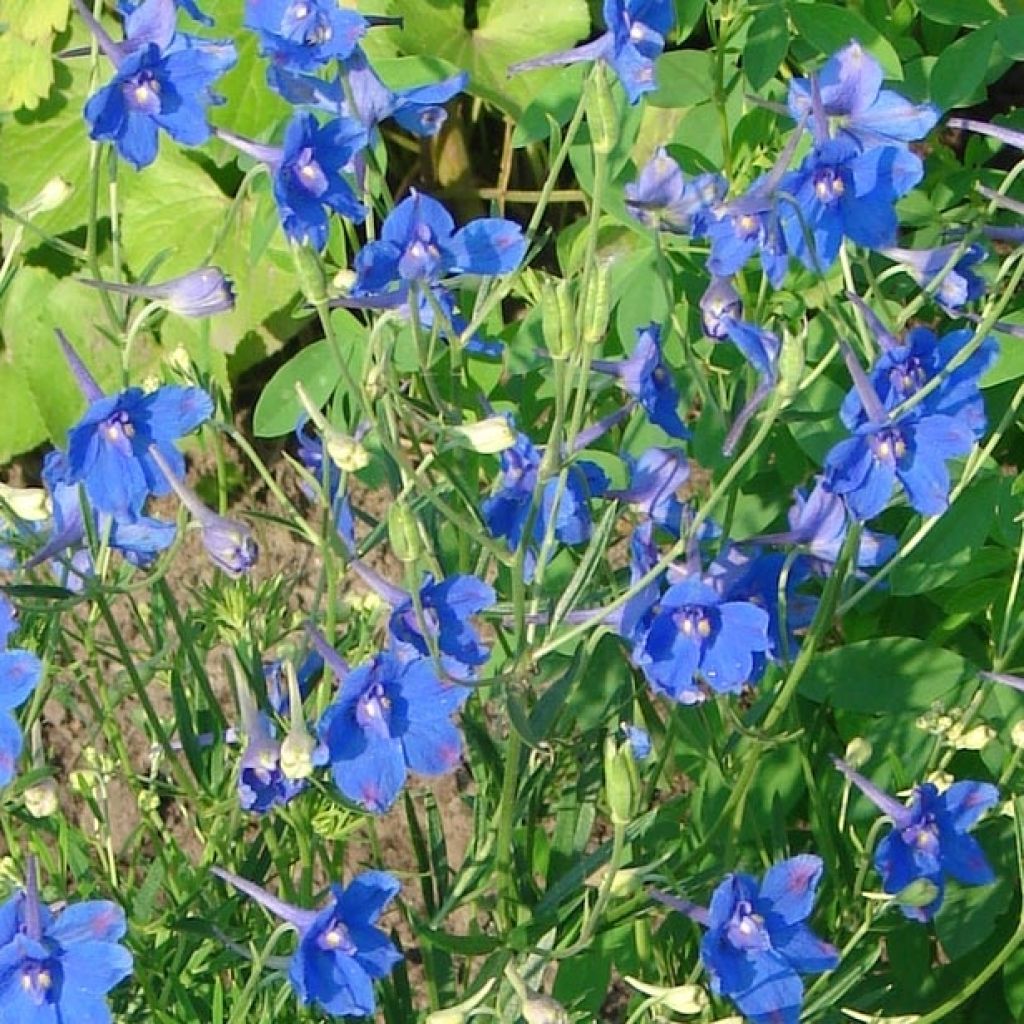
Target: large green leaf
[
  {"x": 829, "y": 28},
  {"x": 960, "y": 70},
  {"x": 766, "y": 45},
  {"x": 508, "y": 31},
  {"x": 26, "y": 72},
  {"x": 885, "y": 675}
]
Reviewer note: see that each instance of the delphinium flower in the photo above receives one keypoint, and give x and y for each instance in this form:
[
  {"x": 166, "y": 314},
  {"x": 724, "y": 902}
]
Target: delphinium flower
[
  {"x": 200, "y": 293},
  {"x": 929, "y": 838},
  {"x": 307, "y": 172},
  {"x": 633, "y": 40},
  {"x": 341, "y": 951},
  {"x": 721, "y": 316},
  {"x": 162, "y": 79},
  {"x": 419, "y": 109},
  {"x": 8, "y": 621},
  {"x": 854, "y": 104},
  {"x": 59, "y": 967},
  {"x": 390, "y": 717},
  {"x": 654, "y": 479},
  {"x": 912, "y": 449},
  {"x": 307, "y": 34},
  {"x": 20, "y": 672},
  {"x": 664, "y": 198},
  {"x": 957, "y": 286},
  {"x": 190, "y": 7},
  {"x": 646, "y": 377},
  {"x": 446, "y": 605},
  {"x": 110, "y": 449},
  {"x": 229, "y": 542},
  {"x": 695, "y": 636},
  {"x": 758, "y": 942},
  {"x": 639, "y": 740}
]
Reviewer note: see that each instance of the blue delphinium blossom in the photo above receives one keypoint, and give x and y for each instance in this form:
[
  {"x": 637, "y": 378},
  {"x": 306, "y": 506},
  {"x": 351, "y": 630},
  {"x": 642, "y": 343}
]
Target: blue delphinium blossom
[
  {"x": 841, "y": 191},
  {"x": 646, "y": 377},
  {"x": 639, "y": 741},
  {"x": 758, "y": 942},
  {"x": 20, "y": 672},
  {"x": 634, "y": 39},
  {"x": 305, "y": 34},
  {"x": 654, "y": 479},
  {"x": 162, "y": 79},
  {"x": 110, "y": 448},
  {"x": 419, "y": 109},
  {"x": 419, "y": 245},
  {"x": 200, "y": 293},
  {"x": 664, "y": 198},
  {"x": 721, "y": 316},
  {"x": 390, "y": 717},
  {"x": 958, "y": 286},
  {"x": 307, "y": 173},
  {"x": 8, "y": 621},
  {"x": 341, "y": 951},
  {"x": 262, "y": 785},
  {"x": 929, "y": 839},
  {"x": 695, "y": 636},
  {"x": 190, "y": 7},
  {"x": 59, "y": 967},
  {"x": 854, "y": 103},
  {"x": 912, "y": 448}
]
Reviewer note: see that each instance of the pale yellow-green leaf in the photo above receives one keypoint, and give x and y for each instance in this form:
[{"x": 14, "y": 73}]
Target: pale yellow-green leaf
[
  {"x": 35, "y": 20},
  {"x": 26, "y": 72}
]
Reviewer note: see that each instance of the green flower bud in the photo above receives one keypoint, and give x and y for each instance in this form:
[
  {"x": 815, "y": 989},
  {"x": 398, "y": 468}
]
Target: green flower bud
[
  {"x": 404, "y": 533},
  {"x": 487, "y": 436},
  {"x": 621, "y": 781},
  {"x": 41, "y": 799},
  {"x": 919, "y": 893},
  {"x": 602, "y": 117},
  {"x": 684, "y": 999},
  {"x": 858, "y": 752},
  {"x": 461, "y": 1013}
]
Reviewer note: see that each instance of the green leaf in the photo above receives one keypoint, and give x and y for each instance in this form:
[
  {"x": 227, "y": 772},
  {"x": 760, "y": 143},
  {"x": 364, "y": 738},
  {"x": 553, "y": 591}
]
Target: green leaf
[
  {"x": 952, "y": 543},
  {"x": 962, "y": 13},
  {"x": 960, "y": 70},
  {"x": 885, "y": 675},
  {"x": 23, "y": 427},
  {"x": 766, "y": 45},
  {"x": 26, "y": 72},
  {"x": 685, "y": 78},
  {"x": 509, "y": 31},
  {"x": 829, "y": 28},
  {"x": 36, "y": 20},
  {"x": 1011, "y": 37}
]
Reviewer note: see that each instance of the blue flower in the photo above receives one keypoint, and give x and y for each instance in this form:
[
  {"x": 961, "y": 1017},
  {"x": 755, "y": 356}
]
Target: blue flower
[
  {"x": 696, "y": 636},
  {"x": 59, "y": 968},
  {"x": 262, "y": 785},
  {"x": 646, "y": 377},
  {"x": 188, "y": 6},
  {"x": 929, "y": 839},
  {"x": 958, "y": 286},
  {"x": 854, "y": 102},
  {"x": 747, "y": 225},
  {"x": 419, "y": 245},
  {"x": 8, "y": 621},
  {"x": 721, "y": 314},
  {"x": 634, "y": 39},
  {"x": 200, "y": 293},
  {"x": 390, "y": 717},
  {"x": 341, "y": 950},
  {"x": 162, "y": 79},
  {"x": 304, "y": 34},
  {"x": 758, "y": 943},
  {"x": 20, "y": 672},
  {"x": 639, "y": 741},
  {"x": 662, "y": 197},
  {"x": 654, "y": 479},
  {"x": 843, "y": 191}
]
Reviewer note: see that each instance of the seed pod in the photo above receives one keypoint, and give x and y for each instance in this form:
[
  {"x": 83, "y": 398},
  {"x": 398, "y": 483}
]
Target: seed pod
[
  {"x": 621, "y": 782},
  {"x": 404, "y": 533},
  {"x": 597, "y": 305},
  {"x": 310, "y": 270},
  {"x": 792, "y": 360},
  {"x": 558, "y": 319},
  {"x": 602, "y": 117}
]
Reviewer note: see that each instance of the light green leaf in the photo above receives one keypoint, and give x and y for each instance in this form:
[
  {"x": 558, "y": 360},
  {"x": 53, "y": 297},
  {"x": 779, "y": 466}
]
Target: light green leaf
[
  {"x": 23, "y": 428},
  {"x": 685, "y": 78},
  {"x": 960, "y": 70},
  {"x": 508, "y": 31},
  {"x": 829, "y": 28},
  {"x": 36, "y": 20},
  {"x": 26, "y": 72}
]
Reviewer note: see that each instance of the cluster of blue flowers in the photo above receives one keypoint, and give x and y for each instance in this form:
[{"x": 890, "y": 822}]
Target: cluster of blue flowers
[{"x": 709, "y": 624}]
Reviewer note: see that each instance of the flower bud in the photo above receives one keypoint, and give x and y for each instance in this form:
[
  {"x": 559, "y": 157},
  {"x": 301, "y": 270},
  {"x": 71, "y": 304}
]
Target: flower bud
[
  {"x": 684, "y": 999},
  {"x": 41, "y": 799},
  {"x": 625, "y": 881},
  {"x": 28, "y": 503},
  {"x": 299, "y": 749},
  {"x": 53, "y": 194},
  {"x": 487, "y": 436},
  {"x": 541, "y": 1009},
  {"x": 1017, "y": 734},
  {"x": 621, "y": 781},
  {"x": 149, "y": 802},
  {"x": 404, "y": 533},
  {"x": 597, "y": 304},
  {"x": 792, "y": 360},
  {"x": 919, "y": 893},
  {"x": 346, "y": 452},
  {"x": 858, "y": 752},
  {"x": 461, "y": 1013},
  {"x": 602, "y": 117},
  {"x": 230, "y": 544},
  {"x": 971, "y": 739}
]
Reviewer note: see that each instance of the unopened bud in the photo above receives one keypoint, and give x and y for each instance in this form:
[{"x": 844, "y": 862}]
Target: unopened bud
[
  {"x": 597, "y": 304},
  {"x": 404, "y": 533},
  {"x": 55, "y": 192},
  {"x": 488, "y": 436},
  {"x": 541, "y": 1009},
  {"x": 309, "y": 269},
  {"x": 625, "y": 881},
  {"x": 41, "y": 799},
  {"x": 1017, "y": 734},
  {"x": 344, "y": 451},
  {"x": 919, "y": 893},
  {"x": 971, "y": 739},
  {"x": 461, "y": 1013},
  {"x": 602, "y": 117},
  {"x": 344, "y": 281},
  {"x": 858, "y": 752},
  {"x": 792, "y": 360},
  {"x": 298, "y": 756},
  {"x": 28, "y": 503},
  {"x": 149, "y": 802},
  {"x": 621, "y": 781},
  {"x": 685, "y": 999}
]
